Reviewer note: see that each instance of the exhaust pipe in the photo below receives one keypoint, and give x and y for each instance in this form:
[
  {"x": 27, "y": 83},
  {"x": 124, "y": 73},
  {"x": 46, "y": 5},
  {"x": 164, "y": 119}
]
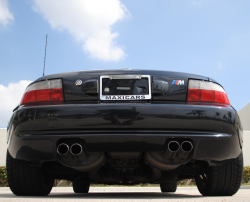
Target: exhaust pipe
[
  {"x": 186, "y": 148},
  {"x": 76, "y": 151},
  {"x": 63, "y": 150},
  {"x": 173, "y": 148}
]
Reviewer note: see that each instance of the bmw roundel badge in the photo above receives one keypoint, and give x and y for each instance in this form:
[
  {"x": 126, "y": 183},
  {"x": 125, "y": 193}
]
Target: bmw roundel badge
[{"x": 78, "y": 82}]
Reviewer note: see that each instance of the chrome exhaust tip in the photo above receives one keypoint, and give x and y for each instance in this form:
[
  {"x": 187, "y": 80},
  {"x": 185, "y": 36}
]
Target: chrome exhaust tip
[
  {"x": 76, "y": 149},
  {"x": 173, "y": 146},
  {"x": 171, "y": 151},
  {"x": 187, "y": 146},
  {"x": 63, "y": 149},
  {"x": 77, "y": 152}
]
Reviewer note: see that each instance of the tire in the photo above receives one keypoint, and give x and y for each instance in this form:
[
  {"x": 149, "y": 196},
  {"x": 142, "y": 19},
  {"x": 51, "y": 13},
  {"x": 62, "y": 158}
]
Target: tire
[
  {"x": 168, "y": 186},
  {"x": 223, "y": 180},
  {"x": 81, "y": 187},
  {"x": 27, "y": 180}
]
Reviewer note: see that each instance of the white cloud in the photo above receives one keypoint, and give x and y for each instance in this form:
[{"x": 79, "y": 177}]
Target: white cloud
[
  {"x": 10, "y": 97},
  {"x": 5, "y": 15},
  {"x": 220, "y": 65},
  {"x": 88, "y": 21}
]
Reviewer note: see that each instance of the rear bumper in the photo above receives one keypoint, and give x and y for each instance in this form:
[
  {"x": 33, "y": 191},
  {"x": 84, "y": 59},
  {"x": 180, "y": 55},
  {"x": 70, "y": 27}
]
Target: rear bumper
[{"x": 35, "y": 131}]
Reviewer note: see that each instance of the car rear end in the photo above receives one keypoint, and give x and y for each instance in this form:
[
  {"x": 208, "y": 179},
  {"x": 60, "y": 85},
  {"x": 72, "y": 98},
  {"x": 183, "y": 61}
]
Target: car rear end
[{"x": 125, "y": 127}]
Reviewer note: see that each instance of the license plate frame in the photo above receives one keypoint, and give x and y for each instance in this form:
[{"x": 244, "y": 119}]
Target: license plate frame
[{"x": 125, "y": 97}]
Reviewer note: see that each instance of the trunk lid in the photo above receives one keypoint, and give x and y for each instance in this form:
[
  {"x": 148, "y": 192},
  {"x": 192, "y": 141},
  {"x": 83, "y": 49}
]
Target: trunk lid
[{"x": 163, "y": 85}]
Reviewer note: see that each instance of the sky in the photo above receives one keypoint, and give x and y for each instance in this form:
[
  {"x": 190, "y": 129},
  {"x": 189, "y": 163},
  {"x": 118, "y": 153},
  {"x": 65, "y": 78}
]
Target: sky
[{"x": 205, "y": 37}]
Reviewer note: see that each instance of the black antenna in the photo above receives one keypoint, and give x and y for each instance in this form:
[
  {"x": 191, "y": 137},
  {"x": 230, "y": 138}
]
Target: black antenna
[{"x": 45, "y": 54}]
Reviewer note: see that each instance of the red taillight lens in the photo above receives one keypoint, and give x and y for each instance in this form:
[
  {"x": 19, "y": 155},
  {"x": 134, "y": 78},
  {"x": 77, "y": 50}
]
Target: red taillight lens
[
  {"x": 204, "y": 91},
  {"x": 221, "y": 97},
  {"x": 194, "y": 95},
  {"x": 207, "y": 95},
  {"x": 56, "y": 94},
  {"x": 44, "y": 91},
  {"x": 29, "y": 97},
  {"x": 42, "y": 95}
]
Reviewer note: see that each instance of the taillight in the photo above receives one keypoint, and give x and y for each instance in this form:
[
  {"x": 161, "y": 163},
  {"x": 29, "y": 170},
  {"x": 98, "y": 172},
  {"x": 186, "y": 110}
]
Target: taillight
[
  {"x": 205, "y": 91},
  {"x": 43, "y": 91}
]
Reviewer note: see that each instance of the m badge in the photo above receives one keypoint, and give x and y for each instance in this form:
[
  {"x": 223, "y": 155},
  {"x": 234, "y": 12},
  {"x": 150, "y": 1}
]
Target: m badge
[{"x": 178, "y": 82}]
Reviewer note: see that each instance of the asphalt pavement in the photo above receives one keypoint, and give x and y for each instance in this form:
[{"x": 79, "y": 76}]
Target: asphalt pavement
[{"x": 120, "y": 194}]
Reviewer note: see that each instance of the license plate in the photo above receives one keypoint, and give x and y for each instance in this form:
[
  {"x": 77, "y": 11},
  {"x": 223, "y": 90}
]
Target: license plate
[{"x": 125, "y": 87}]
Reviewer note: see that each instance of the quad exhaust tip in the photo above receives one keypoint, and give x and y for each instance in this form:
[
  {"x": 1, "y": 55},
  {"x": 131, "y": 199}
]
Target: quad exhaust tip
[
  {"x": 175, "y": 150},
  {"x": 76, "y": 149},
  {"x": 62, "y": 149},
  {"x": 77, "y": 152},
  {"x": 173, "y": 146},
  {"x": 187, "y": 146}
]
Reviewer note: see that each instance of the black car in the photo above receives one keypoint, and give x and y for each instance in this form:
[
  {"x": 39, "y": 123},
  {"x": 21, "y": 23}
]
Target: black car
[{"x": 124, "y": 127}]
